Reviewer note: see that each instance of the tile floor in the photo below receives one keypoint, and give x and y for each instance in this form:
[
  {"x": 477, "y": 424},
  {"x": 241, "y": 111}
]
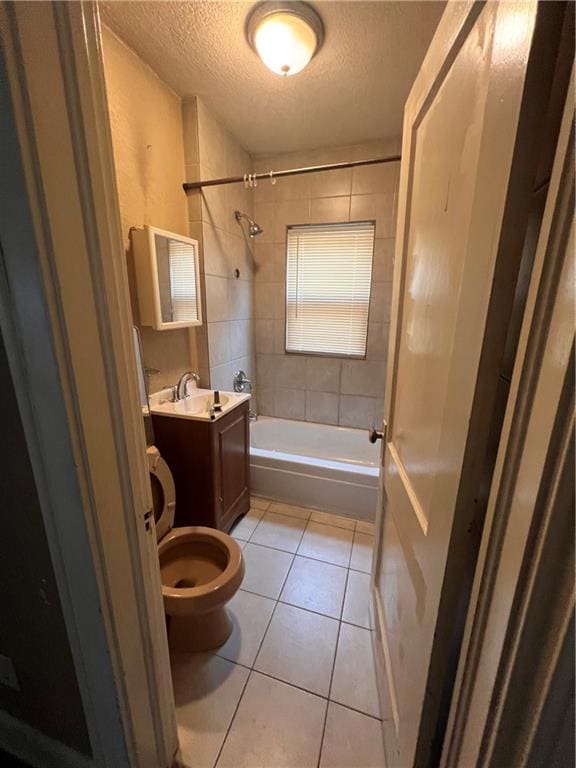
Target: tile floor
[{"x": 294, "y": 686}]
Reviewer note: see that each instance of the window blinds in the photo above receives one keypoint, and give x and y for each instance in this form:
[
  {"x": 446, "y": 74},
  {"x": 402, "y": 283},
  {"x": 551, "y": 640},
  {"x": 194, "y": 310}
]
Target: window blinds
[
  {"x": 182, "y": 281},
  {"x": 328, "y": 275}
]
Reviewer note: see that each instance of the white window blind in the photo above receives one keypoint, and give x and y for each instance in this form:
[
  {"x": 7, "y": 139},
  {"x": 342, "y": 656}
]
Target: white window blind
[
  {"x": 328, "y": 275},
  {"x": 182, "y": 281}
]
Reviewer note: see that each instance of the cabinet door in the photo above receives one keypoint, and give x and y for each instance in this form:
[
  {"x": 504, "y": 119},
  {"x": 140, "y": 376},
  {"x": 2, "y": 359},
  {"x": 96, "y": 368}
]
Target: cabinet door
[{"x": 233, "y": 467}]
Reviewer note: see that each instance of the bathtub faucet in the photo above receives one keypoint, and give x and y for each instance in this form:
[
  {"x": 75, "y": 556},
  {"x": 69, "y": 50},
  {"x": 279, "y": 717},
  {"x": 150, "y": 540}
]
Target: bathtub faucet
[{"x": 241, "y": 382}]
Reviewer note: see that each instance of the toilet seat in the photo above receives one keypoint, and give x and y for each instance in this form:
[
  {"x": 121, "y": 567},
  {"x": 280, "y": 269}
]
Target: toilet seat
[{"x": 163, "y": 492}]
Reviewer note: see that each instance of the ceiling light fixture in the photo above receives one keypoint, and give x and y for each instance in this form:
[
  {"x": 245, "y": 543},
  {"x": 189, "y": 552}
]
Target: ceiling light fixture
[{"x": 285, "y": 35}]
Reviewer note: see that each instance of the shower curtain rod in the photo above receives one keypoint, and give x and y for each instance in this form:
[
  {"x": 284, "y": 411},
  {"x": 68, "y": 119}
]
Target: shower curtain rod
[{"x": 249, "y": 178}]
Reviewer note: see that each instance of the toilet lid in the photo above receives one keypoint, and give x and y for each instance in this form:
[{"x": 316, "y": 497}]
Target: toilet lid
[{"x": 163, "y": 492}]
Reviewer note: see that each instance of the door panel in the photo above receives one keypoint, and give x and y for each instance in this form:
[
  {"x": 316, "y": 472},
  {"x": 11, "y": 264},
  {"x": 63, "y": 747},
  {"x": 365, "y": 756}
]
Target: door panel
[{"x": 460, "y": 230}]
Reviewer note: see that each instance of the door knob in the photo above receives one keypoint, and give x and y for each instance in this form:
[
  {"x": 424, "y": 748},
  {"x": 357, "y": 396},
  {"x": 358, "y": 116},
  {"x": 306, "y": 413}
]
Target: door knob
[{"x": 374, "y": 434}]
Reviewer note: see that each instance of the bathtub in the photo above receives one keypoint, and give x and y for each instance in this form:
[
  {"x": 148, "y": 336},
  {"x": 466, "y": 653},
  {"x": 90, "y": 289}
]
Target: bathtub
[{"x": 315, "y": 465}]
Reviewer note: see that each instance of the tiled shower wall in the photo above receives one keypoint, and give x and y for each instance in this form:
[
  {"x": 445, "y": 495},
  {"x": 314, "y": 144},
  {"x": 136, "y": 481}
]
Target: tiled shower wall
[
  {"x": 228, "y": 338},
  {"x": 323, "y": 389}
]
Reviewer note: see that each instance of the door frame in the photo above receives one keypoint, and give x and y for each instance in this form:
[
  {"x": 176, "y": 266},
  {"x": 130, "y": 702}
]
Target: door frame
[
  {"x": 65, "y": 319},
  {"x": 511, "y": 702}
]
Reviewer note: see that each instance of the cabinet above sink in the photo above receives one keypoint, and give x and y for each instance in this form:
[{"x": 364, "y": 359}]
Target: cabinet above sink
[{"x": 198, "y": 405}]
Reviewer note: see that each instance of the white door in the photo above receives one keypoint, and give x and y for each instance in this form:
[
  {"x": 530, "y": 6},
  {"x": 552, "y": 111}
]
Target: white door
[{"x": 466, "y": 150}]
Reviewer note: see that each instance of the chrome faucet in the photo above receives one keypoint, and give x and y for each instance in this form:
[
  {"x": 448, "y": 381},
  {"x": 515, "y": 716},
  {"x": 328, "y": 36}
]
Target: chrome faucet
[{"x": 179, "y": 391}]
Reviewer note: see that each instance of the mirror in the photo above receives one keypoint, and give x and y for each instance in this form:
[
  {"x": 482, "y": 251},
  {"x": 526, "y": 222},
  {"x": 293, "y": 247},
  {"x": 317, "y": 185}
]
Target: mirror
[{"x": 167, "y": 274}]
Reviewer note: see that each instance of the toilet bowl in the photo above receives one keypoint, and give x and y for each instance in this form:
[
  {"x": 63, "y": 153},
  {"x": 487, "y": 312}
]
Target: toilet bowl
[{"x": 201, "y": 569}]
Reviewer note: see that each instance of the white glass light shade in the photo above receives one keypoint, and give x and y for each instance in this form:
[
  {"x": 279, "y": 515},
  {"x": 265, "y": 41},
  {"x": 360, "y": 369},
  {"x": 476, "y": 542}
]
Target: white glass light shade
[{"x": 285, "y": 42}]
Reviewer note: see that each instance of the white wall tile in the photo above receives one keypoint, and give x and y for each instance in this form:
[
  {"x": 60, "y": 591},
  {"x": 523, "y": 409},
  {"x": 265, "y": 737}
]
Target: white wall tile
[
  {"x": 331, "y": 183},
  {"x": 264, "y": 215},
  {"x": 291, "y": 372},
  {"x": 265, "y": 401},
  {"x": 217, "y": 299},
  {"x": 380, "y": 302},
  {"x": 374, "y": 179},
  {"x": 214, "y": 208},
  {"x": 328, "y": 210},
  {"x": 289, "y": 404},
  {"x": 287, "y": 213},
  {"x": 359, "y": 412},
  {"x": 323, "y": 374},
  {"x": 363, "y": 377},
  {"x": 264, "y": 336},
  {"x": 241, "y": 338},
  {"x": 270, "y": 263},
  {"x": 265, "y": 300},
  {"x": 383, "y": 263},
  {"x": 322, "y": 407},
  {"x": 265, "y": 370},
  {"x": 379, "y": 208},
  {"x": 219, "y": 342},
  {"x": 214, "y": 249},
  {"x": 240, "y": 294},
  {"x": 377, "y": 348}
]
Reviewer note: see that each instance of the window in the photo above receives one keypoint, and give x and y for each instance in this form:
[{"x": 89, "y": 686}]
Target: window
[{"x": 328, "y": 275}]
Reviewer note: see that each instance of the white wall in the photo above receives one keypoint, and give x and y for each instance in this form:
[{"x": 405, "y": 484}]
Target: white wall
[{"x": 146, "y": 123}]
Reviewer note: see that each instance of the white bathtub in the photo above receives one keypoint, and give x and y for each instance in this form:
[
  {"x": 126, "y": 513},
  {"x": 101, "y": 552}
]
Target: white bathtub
[{"x": 315, "y": 465}]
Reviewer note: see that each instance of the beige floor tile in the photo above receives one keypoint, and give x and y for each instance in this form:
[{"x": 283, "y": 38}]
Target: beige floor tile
[
  {"x": 354, "y": 682},
  {"x": 266, "y": 569},
  {"x": 351, "y": 740},
  {"x": 279, "y": 531},
  {"x": 276, "y": 726},
  {"x": 250, "y": 615},
  {"x": 206, "y": 692},
  {"x": 357, "y": 600},
  {"x": 245, "y": 527},
  {"x": 363, "y": 527},
  {"x": 289, "y": 509},
  {"x": 340, "y": 521},
  {"x": 259, "y": 503},
  {"x": 362, "y": 548},
  {"x": 316, "y": 586},
  {"x": 299, "y": 648},
  {"x": 325, "y": 542}
]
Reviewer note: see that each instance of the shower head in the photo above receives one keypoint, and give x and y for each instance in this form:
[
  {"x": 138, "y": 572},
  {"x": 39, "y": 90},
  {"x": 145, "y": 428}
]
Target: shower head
[{"x": 253, "y": 228}]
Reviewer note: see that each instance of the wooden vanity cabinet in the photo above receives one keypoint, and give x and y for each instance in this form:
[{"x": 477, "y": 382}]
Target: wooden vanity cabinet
[{"x": 210, "y": 463}]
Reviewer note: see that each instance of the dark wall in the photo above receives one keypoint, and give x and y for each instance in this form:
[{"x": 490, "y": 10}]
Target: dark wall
[{"x": 32, "y": 629}]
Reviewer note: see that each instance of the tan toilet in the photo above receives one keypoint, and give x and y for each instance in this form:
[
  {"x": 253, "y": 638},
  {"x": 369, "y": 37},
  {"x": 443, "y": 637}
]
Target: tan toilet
[{"x": 201, "y": 570}]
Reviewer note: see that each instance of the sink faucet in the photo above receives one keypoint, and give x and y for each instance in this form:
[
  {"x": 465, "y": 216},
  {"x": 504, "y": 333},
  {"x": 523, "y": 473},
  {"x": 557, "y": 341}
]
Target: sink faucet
[{"x": 180, "y": 388}]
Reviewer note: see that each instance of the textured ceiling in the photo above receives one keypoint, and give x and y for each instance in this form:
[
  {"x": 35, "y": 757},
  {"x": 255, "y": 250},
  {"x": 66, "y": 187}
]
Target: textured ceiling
[{"x": 353, "y": 90}]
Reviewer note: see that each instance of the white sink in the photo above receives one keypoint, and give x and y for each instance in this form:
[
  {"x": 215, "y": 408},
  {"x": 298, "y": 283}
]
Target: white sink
[{"x": 197, "y": 405}]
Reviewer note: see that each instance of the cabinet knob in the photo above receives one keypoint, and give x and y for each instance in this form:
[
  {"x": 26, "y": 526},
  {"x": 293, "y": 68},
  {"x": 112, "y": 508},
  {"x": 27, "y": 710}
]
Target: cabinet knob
[{"x": 374, "y": 434}]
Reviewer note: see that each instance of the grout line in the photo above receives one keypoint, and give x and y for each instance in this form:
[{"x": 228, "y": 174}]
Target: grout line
[
  {"x": 344, "y": 598},
  {"x": 308, "y": 610},
  {"x": 245, "y": 685},
  {"x": 298, "y": 554},
  {"x": 323, "y": 734},
  {"x": 217, "y": 758}
]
